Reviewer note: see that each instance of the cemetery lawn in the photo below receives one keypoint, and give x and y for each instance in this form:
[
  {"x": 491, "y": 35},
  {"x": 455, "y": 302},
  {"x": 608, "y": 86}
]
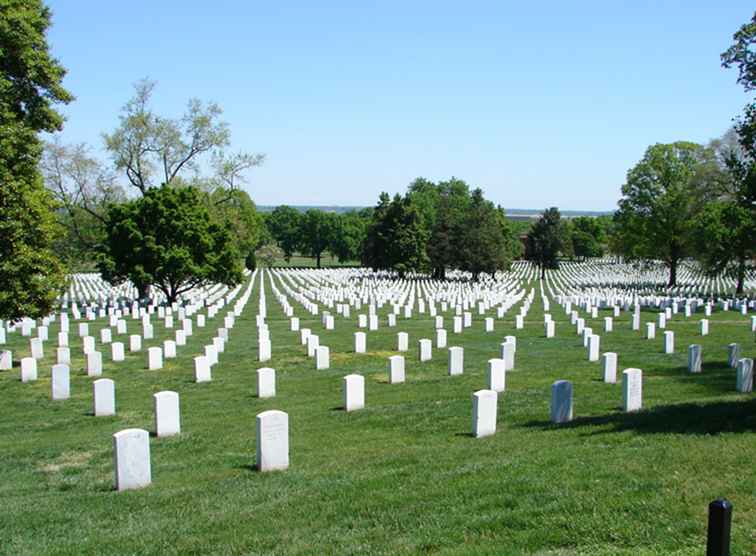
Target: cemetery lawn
[{"x": 404, "y": 475}]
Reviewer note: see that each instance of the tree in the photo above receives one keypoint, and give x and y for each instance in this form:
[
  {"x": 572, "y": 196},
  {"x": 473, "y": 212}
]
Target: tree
[
  {"x": 446, "y": 244},
  {"x": 168, "y": 239},
  {"x": 349, "y": 236},
  {"x": 31, "y": 275},
  {"x": 83, "y": 189},
  {"x": 284, "y": 226},
  {"x": 661, "y": 198},
  {"x": 483, "y": 237},
  {"x": 545, "y": 240},
  {"x": 587, "y": 235},
  {"x": 268, "y": 254},
  {"x": 236, "y": 208},
  {"x": 316, "y": 233},
  {"x": 742, "y": 54},
  {"x": 146, "y": 145},
  {"x": 397, "y": 237}
]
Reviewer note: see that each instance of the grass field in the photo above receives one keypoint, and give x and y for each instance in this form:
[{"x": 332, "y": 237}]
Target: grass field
[{"x": 403, "y": 475}]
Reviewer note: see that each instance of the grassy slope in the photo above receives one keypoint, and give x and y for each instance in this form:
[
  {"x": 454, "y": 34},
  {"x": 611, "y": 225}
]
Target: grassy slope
[{"x": 402, "y": 476}]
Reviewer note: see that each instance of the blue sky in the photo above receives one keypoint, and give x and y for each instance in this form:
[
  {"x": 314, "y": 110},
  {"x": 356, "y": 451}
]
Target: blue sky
[{"x": 537, "y": 103}]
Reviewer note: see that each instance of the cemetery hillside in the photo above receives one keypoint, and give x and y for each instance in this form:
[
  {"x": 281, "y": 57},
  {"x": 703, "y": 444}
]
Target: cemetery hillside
[{"x": 183, "y": 371}]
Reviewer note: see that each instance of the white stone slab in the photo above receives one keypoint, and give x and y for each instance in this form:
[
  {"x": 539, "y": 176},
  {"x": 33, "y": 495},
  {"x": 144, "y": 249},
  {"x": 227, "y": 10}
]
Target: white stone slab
[
  {"x": 353, "y": 392},
  {"x": 117, "y": 351},
  {"x": 266, "y": 382},
  {"x": 456, "y": 360},
  {"x": 561, "y": 401},
  {"x": 272, "y": 440},
  {"x": 694, "y": 358},
  {"x": 167, "y": 413},
  {"x": 484, "y": 413},
  {"x": 154, "y": 358},
  {"x": 103, "y": 397},
  {"x": 94, "y": 363},
  {"x": 360, "y": 342},
  {"x": 131, "y": 459},
  {"x": 497, "y": 375},
  {"x": 424, "y": 349},
  {"x": 322, "y": 358},
  {"x": 61, "y": 382},
  {"x": 396, "y": 369},
  {"x": 202, "y": 369},
  {"x": 632, "y": 389}
]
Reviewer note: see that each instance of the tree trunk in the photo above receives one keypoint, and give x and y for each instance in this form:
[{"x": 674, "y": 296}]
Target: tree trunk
[
  {"x": 672, "y": 273},
  {"x": 543, "y": 271},
  {"x": 317, "y": 258},
  {"x": 741, "y": 276},
  {"x": 144, "y": 291}
]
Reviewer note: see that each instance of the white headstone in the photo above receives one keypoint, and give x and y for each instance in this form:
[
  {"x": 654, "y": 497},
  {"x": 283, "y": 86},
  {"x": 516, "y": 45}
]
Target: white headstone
[
  {"x": 202, "y": 369},
  {"x": 440, "y": 338},
  {"x": 266, "y": 382},
  {"x": 37, "y": 348},
  {"x": 135, "y": 342},
  {"x": 322, "y": 358},
  {"x": 272, "y": 440},
  {"x": 632, "y": 389},
  {"x": 167, "y": 413},
  {"x": 561, "y": 401},
  {"x": 694, "y": 358},
  {"x": 131, "y": 459},
  {"x": 117, "y": 352},
  {"x": 154, "y": 358},
  {"x": 61, "y": 382},
  {"x": 264, "y": 351},
  {"x": 353, "y": 392},
  {"x": 508, "y": 351},
  {"x": 28, "y": 369},
  {"x": 744, "y": 379},
  {"x": 484, "y": 413},
  {"x": 6, "y": 360},
  {"x": 456, "y": 360},
  {"x": 360, "y": 342},
  {"x": 396, "y": 369},
  {"x": 424, "y": 348},
  {"x": 650, "y": 331},
  {"x": 402, "y": 341},
  {"x": 63, "y": 356},
  {"x": 733, "y": 355},
  {"x": 497, "y": 375},
  {"x": 704, "y": 327},
  {"x": 669, "y": 341},
  {"x": 103, "y": 397},
  {"x": 94, "y": 363},
  {"x": 609, "y": 367}
]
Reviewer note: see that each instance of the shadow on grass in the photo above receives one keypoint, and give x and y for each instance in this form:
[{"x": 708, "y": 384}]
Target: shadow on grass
[
  {"x": 716, "y": 376},
  {"x": 689, "y": 418}
]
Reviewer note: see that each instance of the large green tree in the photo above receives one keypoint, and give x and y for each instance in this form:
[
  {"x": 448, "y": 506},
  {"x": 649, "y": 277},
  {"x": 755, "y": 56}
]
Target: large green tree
[
  {"x": 316, "y": 231},
  {"x": 545, "y": 240},
  {"x": 397, "y": 237},
  {"x": 660, "y": 201},
  {"x": 284, "y": 225},
  {"x": 484, "y": 238},
  {"x": 31, "y": 275},
  {"x": 168, "y": 239},
  {"x": 349, "y": 236}
]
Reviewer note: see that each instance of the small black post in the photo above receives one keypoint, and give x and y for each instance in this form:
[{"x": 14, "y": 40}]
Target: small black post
[{"x": 718, "y": 538}]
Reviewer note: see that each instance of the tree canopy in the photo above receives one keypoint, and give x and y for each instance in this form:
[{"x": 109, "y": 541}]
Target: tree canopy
[
  {"x": 31, "y": 275},
  {"x": 168, "y": 239},
  {"x": 545, "y": 240}
]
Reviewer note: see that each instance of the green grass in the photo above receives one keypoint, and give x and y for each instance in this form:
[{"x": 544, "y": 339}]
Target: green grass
[{"x": 402, "y": 476}]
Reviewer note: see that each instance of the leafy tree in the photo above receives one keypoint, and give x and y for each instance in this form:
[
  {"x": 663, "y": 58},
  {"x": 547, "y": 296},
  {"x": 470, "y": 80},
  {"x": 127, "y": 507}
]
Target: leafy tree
[
  {"x": 83, "y": 189},
  {"x": 284, "y": 224},
  {"x": 153, "y": 149},
  {"x": 742, "y": 54},
  {"x": 397, "y": 237},
  {"x": 31, "y": 275},
  {"x": 316, "y": 233},
  {"x": 483, "y": 237},
  {"x": 236, "y": 208},
  {"x": 349, "y": 236},
  {"x": 587, "y": 235},
  {"x": 268, "y": 254},
  {"x": 168, "y": 239},
  {"x": 446, "y": 243},
  {"x": 661, "y": 198},
  {"x": 545, "y": 240}
]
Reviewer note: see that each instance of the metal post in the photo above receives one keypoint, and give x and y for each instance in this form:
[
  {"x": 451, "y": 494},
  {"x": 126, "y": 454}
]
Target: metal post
[{"x": 718, "y": 538}]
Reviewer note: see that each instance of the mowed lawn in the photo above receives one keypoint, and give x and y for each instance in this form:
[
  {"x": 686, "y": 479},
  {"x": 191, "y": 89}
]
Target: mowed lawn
[{"x": 403, "y": 475}]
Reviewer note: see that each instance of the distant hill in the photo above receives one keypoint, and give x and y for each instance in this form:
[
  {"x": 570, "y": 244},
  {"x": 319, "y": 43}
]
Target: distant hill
[{"x": 513, "y": 213}]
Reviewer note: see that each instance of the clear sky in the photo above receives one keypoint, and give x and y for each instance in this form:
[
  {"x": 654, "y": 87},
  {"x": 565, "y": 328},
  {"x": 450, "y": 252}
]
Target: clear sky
[{"x": 538, "y": 103}]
